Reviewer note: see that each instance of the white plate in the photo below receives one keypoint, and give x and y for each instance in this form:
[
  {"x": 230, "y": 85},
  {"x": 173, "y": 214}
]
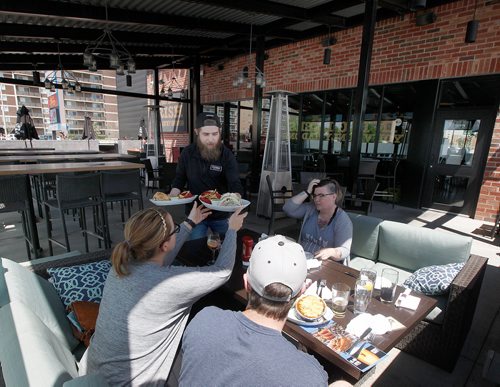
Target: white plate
[
  {"x": 173, "y": 201},
  {"x": 215, "y": 206},
  {"x": 294, "y": 317}
]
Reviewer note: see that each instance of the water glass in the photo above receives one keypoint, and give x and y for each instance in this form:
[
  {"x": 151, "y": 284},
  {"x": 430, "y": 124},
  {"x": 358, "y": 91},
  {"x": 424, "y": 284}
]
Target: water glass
[
  {"x": 388, "y": 285},
  {"x": 362, "y": 295},
  {"x": 368, "y": 274},
  {"x": 340, "y": 298}
]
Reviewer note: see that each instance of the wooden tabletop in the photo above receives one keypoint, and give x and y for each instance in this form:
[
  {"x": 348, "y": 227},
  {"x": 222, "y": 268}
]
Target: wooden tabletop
[
  {"x": 24, "y": 149},
  {"x": 34, "y": 158},
  {"x": 36, "y": 169},
  {"x": 196, "y": 253}
]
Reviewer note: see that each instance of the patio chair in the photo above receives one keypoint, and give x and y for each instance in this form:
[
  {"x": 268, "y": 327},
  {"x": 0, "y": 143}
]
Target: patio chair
[
  {"x": 153, "y": 181},
  {"x": 387, "y": 176},
  {"x": 361, "y": 202},
  {"x": 278, "y": 198},
  {"x": 123, "y": 187},
  {"x": 77, "y": 192},
  {"x": 14, "y": 197}
]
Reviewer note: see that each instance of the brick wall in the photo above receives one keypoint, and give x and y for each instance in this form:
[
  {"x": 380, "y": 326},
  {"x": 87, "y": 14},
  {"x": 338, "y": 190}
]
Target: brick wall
[
  {"x": 402, "y": 52},
  {"x": 489, "y": 197}
]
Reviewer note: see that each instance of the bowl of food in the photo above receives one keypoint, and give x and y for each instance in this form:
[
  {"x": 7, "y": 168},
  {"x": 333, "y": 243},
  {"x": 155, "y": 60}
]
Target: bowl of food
[{"x": 310, "y": 307}]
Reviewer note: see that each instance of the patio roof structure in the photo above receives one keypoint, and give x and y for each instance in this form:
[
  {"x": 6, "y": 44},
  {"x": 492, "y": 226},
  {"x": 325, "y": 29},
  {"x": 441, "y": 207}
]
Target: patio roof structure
[{"x": 158, "y": 32}]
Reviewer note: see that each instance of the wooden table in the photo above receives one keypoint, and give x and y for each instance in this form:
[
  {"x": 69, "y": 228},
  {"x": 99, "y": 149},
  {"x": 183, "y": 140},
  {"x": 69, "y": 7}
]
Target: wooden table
[
  {"x": 29, "y": 158},
  {"x": 25, "y": 149},
  {"x": 40, "y": 169},
  {"x": 196, "y": 253}
]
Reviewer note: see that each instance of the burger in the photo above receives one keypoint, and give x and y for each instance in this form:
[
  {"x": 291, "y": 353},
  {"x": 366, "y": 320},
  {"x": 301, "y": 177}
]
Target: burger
[{"x": 160, "y": 196}]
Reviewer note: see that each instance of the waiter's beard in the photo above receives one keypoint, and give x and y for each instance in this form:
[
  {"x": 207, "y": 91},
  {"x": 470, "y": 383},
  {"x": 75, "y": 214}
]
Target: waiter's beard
[{"x": 209, "y": 154}]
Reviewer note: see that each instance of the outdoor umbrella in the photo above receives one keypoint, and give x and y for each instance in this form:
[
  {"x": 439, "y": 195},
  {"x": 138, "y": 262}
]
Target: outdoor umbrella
[
  {"x": 88, "y": 130},
  {"x": 25, "y": 129}
]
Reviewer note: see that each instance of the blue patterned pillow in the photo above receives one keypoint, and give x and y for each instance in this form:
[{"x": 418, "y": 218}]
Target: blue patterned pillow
[
  {"x": 80, "y": 282},
  {"x": 433, "y": 280}
]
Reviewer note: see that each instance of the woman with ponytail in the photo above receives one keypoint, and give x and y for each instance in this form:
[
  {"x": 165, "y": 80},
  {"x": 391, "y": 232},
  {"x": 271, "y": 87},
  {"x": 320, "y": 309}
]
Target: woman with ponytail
[{"x": 146, "y": 301}]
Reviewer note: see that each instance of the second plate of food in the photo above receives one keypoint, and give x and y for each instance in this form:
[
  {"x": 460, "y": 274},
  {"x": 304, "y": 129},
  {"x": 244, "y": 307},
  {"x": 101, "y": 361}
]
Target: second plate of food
[
  {"x": 216, "y": 206},
  {"x": 162, "y": 199}
]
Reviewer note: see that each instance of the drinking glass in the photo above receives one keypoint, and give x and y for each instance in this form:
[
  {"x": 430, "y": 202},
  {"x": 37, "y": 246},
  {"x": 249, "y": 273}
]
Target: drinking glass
[
  {"x": 340, "y": 298},
  {"x": 362, "y": 295},
  {"x": 213, "y": 243},
  {"x": 368, "y": 274},
  {"x": 388, "y": 285}
]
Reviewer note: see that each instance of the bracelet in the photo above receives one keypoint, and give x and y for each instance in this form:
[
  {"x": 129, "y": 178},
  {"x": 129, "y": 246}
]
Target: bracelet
[
  {"x": 307, "y": 193},
  {"x": 190, "y": 222}
]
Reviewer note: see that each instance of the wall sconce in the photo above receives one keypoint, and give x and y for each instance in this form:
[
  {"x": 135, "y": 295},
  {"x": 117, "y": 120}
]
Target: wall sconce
[
  {"x": 416, "y": 5},
  {"x": 472, "y": 27},
  {"x": 327, "y": 52}
]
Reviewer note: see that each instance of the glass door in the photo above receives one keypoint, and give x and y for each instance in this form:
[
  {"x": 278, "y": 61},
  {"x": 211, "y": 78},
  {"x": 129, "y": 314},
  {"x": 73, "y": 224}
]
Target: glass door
[{"x": 458, "y": 155}]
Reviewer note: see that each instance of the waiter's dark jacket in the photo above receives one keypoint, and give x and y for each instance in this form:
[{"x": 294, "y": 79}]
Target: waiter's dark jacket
[{"x": 198, "y": 175}]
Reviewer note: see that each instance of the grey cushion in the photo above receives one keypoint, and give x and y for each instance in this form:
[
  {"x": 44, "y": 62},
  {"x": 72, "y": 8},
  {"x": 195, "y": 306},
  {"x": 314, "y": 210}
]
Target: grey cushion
[
  {"x": 39, "y": 296},
  {"x": 30, "y": 353},
  {"x": 411, "y": 248},
  {"x": 434, "y": 280},
  {"x": 365, "y": 236}
]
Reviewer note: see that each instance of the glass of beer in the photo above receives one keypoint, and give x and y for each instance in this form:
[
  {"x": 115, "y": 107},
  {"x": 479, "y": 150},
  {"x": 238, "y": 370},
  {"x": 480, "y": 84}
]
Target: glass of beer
[
  {"x": 213, "y": 243},
  {"x": 340, "y": 298}
]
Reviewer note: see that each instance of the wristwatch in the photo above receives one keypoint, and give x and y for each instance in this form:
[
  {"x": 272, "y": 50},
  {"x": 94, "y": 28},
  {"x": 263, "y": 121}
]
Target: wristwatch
[
  {"x": 307, "y": 193},
  {"x": 190, "y": 222}
]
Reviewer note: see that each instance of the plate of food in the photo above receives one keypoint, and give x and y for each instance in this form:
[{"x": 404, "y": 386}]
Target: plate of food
[
  {"x": 310, "y": 310},
  {"x": 228, "y": 202},
  {"x": 162, "y": 199}
]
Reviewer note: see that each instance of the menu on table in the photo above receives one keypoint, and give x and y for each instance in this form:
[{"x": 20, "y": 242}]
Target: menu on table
[{"x": 333, "y": 335}]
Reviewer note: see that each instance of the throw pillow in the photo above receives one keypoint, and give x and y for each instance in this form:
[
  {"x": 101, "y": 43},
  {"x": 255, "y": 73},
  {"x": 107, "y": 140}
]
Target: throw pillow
[
  {"x": 433, "y": 280},
  {"x": 83, "y": 316},
  {"x": 81, "y": 282}
]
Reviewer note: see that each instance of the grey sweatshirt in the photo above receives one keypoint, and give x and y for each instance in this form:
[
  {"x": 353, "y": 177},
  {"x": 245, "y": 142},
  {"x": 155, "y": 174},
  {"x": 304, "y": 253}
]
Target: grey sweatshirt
[{"x": 143, "y": 315}]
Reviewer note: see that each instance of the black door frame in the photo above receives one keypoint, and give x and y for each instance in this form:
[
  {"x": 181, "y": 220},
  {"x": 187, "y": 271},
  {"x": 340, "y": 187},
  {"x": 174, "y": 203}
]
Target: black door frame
[{"x": 475, "y": 173}]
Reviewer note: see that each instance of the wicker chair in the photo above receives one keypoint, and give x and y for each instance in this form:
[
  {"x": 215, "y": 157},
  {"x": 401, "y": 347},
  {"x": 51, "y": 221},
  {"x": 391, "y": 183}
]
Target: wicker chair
[{"x": 440, "y": 344}]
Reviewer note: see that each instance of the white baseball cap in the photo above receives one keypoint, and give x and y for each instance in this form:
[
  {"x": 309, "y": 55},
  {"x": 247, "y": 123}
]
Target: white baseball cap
[{"x": 277, "y": 259}]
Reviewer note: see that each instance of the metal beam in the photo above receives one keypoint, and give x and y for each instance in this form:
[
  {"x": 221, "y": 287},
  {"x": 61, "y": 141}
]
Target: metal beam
[{"x": 365, "y": 57}]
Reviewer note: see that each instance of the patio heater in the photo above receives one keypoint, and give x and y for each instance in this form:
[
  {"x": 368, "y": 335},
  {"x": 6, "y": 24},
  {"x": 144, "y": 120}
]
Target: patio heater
[
  {"x": 154, "y": 144},
  {"x": 276, "y": 161}
]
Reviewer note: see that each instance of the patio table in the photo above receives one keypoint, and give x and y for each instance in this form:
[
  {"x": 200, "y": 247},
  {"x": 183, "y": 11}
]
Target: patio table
[
  {"x": 30, "y": 158},
  {"x": 40, "y": 169},
  {"x": 196, "y": 253},
  {"x": 9, "y": 152}
]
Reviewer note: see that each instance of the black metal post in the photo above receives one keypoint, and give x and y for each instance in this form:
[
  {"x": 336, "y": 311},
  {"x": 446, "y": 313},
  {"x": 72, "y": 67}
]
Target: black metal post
[
  {"x": 257, "y": 119},
  {"x": 365, "y": 57},
  {"x": 226, "y": 127},
  {"x": 158, "y": 115},
  {"x": 195, "y": 107}
]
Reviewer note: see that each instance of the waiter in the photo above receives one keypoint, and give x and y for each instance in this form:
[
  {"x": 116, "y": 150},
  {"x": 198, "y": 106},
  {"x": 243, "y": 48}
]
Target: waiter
[{"x": 207, "y": 165}]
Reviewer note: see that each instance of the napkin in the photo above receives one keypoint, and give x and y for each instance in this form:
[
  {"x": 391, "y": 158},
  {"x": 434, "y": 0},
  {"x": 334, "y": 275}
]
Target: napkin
[
  {"x": 313, "y": 288},
  {"x": 405, "y": 300},
  {"x": 378, "y": 323}
]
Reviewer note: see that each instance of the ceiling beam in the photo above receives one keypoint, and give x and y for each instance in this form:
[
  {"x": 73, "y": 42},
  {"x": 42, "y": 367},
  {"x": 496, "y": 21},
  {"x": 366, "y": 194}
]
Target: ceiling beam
[
  {"x": 72, "y": 11},
  {"x": 273, "y": 9}
]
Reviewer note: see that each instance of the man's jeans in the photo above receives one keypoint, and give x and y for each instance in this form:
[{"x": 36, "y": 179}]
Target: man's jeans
[{"x": 200, "y": 231}]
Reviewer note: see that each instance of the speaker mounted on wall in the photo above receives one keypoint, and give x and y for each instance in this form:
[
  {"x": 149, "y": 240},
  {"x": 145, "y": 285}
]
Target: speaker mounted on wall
[{"x": 472, "y": 28}]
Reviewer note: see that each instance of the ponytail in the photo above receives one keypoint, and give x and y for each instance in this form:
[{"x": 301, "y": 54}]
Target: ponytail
[{"x": 120, "y": 258}]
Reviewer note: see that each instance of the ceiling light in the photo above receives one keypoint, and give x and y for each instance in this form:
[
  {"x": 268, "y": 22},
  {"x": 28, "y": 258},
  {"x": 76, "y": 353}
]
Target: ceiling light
[
  {"x": 107, "y": 46},
  {"x": 66, "y": 79},
  {"x": 240, "y": 77}
]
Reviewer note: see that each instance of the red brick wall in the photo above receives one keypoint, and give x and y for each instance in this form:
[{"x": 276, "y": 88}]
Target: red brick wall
[
  {"x": 401, "y": 52},
  {"x": 489, "y": 197}
]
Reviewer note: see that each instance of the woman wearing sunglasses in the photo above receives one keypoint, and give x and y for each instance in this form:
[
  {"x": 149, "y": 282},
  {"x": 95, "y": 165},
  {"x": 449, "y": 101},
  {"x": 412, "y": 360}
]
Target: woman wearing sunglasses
[
  {"x": 146, "y": 301},
  {"x": 326, "y": 229}
]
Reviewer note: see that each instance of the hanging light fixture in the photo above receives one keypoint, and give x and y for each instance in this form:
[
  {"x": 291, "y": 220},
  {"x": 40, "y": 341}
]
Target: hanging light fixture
[
  {"x": 107, "y": 46},
  {"x": 168, "y": 88},
  {"x": 242, "y": 76},
  {"x": 66, "y": 79}
]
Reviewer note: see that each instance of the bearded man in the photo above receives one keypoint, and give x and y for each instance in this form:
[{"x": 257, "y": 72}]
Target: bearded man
[{"x": 206, "y": 165}]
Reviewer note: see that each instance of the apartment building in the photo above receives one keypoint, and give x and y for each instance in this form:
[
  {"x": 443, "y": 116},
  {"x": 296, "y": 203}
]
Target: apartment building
[{"x": 61, "y": 111}]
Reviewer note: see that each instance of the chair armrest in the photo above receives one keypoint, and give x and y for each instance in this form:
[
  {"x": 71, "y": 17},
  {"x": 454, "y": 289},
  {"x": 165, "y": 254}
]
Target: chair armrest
[
  {"x": 40, "y": 268},
  {"x": 462, "y": 299}
]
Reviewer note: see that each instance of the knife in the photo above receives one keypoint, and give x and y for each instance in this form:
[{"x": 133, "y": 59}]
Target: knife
[{"x": 353, "y": 348}]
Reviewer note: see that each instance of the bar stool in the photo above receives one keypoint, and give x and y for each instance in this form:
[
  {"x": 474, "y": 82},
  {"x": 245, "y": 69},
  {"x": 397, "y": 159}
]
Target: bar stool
[
  {"x": 14, "y": 197},
  {"x": 388, "y": 179},
  {"x": 123, "y": 187},
  {"x": 77, "y": 192}
]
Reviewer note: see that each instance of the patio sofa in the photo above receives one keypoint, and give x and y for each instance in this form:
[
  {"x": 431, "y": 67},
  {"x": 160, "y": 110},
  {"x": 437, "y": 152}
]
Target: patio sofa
[
  {"x": 37, "y": 347},
  {"x": 380, "y": 243}
]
